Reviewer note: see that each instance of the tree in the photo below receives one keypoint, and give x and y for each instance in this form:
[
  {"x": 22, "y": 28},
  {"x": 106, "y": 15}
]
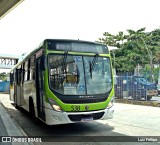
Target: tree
[
  {"x": 3, "y": 76},
  {"x": 137, "y": 47},
  {"x": 113, "y": 40}
]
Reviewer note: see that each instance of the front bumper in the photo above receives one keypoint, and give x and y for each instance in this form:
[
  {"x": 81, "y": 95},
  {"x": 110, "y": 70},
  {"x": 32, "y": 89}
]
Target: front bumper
[
  {"x": 109, "y": 113},
  {"x": 54, "y": 117}
]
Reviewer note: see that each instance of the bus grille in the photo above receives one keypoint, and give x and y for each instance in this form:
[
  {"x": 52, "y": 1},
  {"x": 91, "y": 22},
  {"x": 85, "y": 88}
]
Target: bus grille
[
  {"x": 83, "y": 101},
  {"x": 81, "y": 116}
]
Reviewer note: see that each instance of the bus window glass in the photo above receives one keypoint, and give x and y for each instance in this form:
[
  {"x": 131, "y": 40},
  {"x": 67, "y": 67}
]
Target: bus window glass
[
  {"x": 29, "y": 70},
  {"x": 26, "y": 71},
  {"x": 19, "y": 75},
  {"x": 98, "y": 76},
  {"x": 66, "y": 75},
  {"x": 32, "y": 69},
  {"x": 73, "y": 75}
]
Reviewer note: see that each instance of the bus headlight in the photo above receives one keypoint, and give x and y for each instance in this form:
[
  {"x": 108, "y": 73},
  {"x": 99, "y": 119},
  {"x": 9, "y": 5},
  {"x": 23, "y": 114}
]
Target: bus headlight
[
  {"x": 54, "y": 105},
  {"x": 111, "y": 103}
]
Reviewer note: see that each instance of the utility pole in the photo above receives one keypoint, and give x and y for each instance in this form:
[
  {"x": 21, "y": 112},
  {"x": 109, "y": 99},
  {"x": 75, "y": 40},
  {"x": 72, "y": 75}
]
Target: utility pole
[{"x": 150, "y": 59}]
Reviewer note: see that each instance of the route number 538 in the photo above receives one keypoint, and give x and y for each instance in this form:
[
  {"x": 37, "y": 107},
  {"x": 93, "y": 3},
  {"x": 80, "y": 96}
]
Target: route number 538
[{"x": 75, "y": 108}]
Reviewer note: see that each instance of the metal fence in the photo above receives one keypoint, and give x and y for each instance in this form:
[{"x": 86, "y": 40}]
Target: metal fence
[{"x": 136, "y": 87}]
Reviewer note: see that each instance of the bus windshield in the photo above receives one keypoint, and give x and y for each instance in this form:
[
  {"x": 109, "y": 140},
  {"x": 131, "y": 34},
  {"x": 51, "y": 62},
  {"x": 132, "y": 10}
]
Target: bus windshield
[{"x": 78, "y": 75}]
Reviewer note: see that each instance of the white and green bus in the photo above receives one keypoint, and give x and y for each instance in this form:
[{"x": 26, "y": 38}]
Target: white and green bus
[{"x": 65, "y": 81}]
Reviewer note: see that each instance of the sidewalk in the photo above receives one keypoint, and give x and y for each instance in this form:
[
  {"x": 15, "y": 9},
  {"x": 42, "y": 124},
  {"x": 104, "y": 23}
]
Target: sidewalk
[
  {"x": 138, "y": 102},
  {"x": 8, "y": 127}
]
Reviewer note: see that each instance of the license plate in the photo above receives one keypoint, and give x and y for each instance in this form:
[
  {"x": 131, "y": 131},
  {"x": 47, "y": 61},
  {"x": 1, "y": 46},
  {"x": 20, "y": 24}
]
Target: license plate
[{"x": 87, "y": 119}]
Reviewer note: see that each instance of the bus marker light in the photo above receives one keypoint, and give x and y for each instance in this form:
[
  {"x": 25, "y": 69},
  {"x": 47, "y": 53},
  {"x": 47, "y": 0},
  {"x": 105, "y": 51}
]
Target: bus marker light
[
  {"x": 56, "y": 107},
  {"x": 111, "y": 103}
]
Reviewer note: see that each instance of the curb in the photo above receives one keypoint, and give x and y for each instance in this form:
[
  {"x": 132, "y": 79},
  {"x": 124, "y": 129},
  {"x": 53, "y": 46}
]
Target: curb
[
  {"x": 12, "y": 126},
  {"x": 135, "y": 102}
]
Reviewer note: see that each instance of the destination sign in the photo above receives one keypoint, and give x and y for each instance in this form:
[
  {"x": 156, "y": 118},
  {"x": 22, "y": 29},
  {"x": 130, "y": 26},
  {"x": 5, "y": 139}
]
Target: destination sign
[{"x": 77, "y": 46}]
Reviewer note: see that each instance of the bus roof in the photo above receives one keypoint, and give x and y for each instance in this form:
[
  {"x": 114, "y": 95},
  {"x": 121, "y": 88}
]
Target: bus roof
[
  {"x": 45, "y": 40},
  {"x": 74, "y": 40},
  {"x": 31, "y": 53}
]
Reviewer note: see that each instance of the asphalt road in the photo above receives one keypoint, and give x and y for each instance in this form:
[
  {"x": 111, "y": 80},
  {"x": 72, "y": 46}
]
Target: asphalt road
[{"x": 129, "y": 120}]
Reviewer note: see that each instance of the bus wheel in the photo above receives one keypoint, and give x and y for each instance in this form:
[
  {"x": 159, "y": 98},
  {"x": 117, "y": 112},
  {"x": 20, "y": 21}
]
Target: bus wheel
[
  {"x": 17, "y": 107},
  {"x": 136, "y": 96},
  {"x": 31, "y": 109},
  {"x": 149, "y": 98}
]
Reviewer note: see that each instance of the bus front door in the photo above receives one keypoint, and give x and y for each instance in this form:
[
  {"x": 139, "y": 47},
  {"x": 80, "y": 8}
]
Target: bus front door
[{"x": 40, "y": 88}]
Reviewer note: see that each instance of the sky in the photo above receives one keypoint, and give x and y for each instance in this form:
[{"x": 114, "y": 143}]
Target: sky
[{"x": 32, "y": 21}]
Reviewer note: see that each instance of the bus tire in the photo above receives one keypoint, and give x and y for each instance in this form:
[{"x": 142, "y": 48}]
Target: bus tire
[
  {"x": 136, "y": 96},
  {"x": 149, "y": 98},
  {"x": 31, "y": 110},
  {"x": 17, "y": 107}
]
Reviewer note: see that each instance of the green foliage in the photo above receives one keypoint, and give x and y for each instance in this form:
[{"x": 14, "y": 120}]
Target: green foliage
[
  {"x": 135, "y": 47},
  {"x": 3, "y": 76},
  {"x": 146, "y": 73}
]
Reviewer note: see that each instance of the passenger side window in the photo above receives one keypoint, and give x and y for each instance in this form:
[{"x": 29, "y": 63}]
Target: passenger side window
[
  {"x": 32, "y": 70},
  {"x": 26, "y": 71}
]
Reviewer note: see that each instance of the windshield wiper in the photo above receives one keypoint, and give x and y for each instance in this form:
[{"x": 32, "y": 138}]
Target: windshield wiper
[
  {"x": 92, "y": 64},
  {"x": 64, "y": 61}
]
